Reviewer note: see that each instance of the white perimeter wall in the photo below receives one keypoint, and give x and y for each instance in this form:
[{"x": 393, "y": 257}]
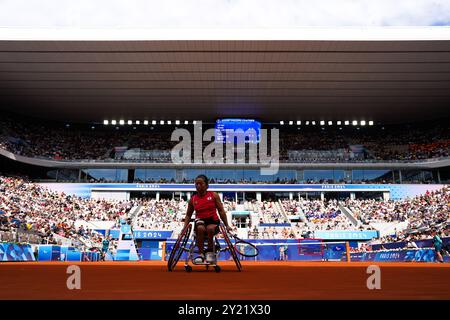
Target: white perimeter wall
[{"x": 111, "y": 195}]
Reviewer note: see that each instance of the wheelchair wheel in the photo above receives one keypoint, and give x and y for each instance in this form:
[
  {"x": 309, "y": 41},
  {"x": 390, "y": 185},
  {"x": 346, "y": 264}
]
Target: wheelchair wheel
[
  {"x": 230, "y": 247},
  {"x": 178, "y": 247}
]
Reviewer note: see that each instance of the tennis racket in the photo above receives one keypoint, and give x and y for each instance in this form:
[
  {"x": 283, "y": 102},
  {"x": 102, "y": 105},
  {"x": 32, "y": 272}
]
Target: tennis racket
[{"x": 244, "y": 248}]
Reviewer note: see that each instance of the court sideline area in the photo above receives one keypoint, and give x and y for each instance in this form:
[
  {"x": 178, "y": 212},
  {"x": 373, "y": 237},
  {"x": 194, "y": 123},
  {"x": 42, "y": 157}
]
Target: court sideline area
[{"x": 258, "y": 281}]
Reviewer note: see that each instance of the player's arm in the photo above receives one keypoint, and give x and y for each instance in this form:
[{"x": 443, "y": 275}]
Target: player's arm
[
  {"x": 189, "y": 212},
  {"x": 221, "y": 211}
]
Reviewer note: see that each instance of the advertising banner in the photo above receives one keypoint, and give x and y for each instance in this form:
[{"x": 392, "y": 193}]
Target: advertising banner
[
  {"x": 346, "y": 235},
  {"x": 16, "y": 252},
  {"x": 421, "y": 255}
]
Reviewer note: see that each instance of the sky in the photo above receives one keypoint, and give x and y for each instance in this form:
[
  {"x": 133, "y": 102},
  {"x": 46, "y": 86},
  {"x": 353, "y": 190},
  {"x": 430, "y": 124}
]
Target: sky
[{"x": 232, "y": 14}]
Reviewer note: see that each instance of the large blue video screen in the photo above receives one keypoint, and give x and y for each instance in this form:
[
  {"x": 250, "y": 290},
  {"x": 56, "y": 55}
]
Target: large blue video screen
[{"x": 222, "y": 125}]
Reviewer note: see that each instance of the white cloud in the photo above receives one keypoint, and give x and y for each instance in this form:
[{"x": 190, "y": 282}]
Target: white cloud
[{"x": 221, "y": 13}]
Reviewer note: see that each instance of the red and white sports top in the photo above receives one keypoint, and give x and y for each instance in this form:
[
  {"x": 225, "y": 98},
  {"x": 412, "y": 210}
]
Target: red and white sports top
[{"x": 205, "y": 206}]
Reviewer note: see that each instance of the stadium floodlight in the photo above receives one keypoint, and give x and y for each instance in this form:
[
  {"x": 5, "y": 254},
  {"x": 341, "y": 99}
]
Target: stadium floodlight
[
  {"x": 161, "y": 122},
  {"x": 347, "y": 122},
  {"x": 177, "y": 122},
  {"x": 122, "y": 122},
  {"x": 330, "y": 123},
  {"x": 194, "y": 122},
  {"x": 322, "y": 123},
  {"x": 299, "y": 122},
  {"x": 291, "y": 123},
  {"x": 355, "y": 123},
  {"x": 339, "y": 123},
  {"x": 363, "y": 122},
  {"x": 130, "y": 122},
  {"x": 370, "y": 123},
  {"x": 138, "y": 122},
  {"x": 113, "y": 122},
  {"x": 307, "y": 123},
  {"x": 186, "y": 122},
  {"x": 153, "y": 122},
  {"x": 313, "y": 123},
  {"x": 146, "y": 122},
  {"x": 282, "y": 122},
  {"x": 169, "y": 122},
  {"x": 105, "y": 122}
]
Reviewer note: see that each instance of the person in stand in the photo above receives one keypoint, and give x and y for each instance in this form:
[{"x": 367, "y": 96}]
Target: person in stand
[
  {"x": 437, "y": 243},
  {"x": 283, "y": 252},
  {"x": 105, "y": 247}
]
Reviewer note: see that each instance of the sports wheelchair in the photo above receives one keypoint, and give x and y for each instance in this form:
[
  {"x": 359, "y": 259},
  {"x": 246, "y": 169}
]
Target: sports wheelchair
[{"x": 183, "y": 245}]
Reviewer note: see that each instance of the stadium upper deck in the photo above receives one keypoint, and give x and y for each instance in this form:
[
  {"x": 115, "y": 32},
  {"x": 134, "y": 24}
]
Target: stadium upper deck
[
  {"x": 308, "y": 154},
  {"x": 371, "y": 77},
  {"x": 152, "y": 143}
]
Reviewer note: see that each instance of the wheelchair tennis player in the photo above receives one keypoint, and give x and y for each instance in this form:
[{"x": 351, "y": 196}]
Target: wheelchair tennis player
[{"x": 206, "y": 204}]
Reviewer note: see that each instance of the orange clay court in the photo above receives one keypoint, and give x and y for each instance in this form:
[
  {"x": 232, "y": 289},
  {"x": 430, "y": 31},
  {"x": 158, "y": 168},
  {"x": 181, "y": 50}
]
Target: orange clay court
[{"x": 258, "y": 281}]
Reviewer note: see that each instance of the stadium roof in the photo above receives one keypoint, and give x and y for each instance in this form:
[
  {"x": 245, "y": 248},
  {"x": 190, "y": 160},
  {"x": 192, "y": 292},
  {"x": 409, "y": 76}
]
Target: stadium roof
[{"x": 387, "y": 75}]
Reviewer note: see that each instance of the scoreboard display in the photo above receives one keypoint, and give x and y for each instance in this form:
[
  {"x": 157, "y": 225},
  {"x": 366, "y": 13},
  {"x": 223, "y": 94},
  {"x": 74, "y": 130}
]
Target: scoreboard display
[{"x": 223, "y": 127}]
